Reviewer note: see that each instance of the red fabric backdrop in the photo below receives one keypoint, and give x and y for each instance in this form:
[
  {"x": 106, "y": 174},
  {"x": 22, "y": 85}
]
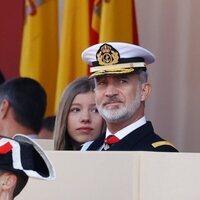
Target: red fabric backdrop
[{"x": 11, "y": 23}]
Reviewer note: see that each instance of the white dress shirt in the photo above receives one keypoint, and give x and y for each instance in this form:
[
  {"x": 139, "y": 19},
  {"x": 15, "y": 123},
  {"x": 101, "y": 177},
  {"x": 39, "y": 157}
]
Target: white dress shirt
[
  {"x": 125, "y": 131},
  {"x": 120, "y": 134}
]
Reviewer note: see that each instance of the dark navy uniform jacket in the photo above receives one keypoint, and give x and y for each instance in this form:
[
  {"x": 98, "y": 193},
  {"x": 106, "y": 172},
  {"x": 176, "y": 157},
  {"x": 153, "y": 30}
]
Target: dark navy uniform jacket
[{"x": 141, "y": 139}]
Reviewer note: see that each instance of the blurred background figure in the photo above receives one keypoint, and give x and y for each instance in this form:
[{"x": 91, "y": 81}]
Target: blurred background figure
[
  {"x": 47, "y": 128},
  {"x": 2, "y": 79},
  {"x": 77, "y": 119},
  {"x": 21, "y": 158},
  {"x": 22, "y": 107}
]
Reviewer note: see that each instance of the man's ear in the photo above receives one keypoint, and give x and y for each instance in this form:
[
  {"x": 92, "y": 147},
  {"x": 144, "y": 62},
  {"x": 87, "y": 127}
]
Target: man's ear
[
  {"x": 145, "y": 91},
  {"x": 4, "y": 107}
]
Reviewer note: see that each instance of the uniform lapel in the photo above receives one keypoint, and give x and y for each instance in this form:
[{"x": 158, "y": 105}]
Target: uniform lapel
[
  {"x": 97, "y": 143},
  {"x": 128, "y": 142}
]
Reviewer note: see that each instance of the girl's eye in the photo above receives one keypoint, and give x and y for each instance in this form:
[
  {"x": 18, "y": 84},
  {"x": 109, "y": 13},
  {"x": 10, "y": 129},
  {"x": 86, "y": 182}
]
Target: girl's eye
[
  {"x": 94, "y": 110},
  {"x": 74, "y": 109}
]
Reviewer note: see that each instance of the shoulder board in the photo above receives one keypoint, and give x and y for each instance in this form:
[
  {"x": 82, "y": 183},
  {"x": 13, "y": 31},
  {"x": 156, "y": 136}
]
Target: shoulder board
[{"x": 161, "y": 143}]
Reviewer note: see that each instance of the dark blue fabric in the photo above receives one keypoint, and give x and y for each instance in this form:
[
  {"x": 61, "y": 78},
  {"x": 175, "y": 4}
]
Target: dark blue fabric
[{"x": 140, "y": 139}]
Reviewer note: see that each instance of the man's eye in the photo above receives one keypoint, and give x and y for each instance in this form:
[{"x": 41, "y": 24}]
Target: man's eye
[
  {"x": 74, "y": 110},
  {"x": 101, "y": 83},
  {"x": 123, "y": 81}
]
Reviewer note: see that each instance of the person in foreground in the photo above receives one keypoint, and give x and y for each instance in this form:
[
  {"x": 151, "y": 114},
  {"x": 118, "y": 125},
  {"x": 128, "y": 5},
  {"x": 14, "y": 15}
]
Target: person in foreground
[
  {"x": 77, "y": 119},
  {"x": 21, "y": 158},
  {"x": 121, "y": 89}
]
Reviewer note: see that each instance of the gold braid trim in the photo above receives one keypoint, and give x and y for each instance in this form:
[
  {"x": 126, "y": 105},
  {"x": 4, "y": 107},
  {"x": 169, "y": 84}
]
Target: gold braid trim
[
  {"x": 161, "y": 143},
  {"x": 114, "y": 71},
  {"x": 117, "y": 66}
]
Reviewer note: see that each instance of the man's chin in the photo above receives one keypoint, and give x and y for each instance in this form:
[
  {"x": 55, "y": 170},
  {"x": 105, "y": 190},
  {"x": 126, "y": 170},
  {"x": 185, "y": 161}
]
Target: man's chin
[
  {"x": 110, "y": 112},
  {"x": 112, "y": 106},
  {"x": 111, "y": 116}
]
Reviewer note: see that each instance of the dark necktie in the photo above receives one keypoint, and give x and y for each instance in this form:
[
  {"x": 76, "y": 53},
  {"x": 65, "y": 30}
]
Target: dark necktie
[{"x": 111, "y": 139}]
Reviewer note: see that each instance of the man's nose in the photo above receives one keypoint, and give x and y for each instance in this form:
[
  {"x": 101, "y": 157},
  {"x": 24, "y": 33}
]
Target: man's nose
[{"x": 111, "y": 90}]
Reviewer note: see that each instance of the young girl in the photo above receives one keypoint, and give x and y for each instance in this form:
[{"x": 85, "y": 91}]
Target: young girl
[{"x": 77, "y": 119}]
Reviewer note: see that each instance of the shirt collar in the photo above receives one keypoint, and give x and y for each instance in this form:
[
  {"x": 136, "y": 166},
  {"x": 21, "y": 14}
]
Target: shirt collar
[{"x": 128, "y": 129}]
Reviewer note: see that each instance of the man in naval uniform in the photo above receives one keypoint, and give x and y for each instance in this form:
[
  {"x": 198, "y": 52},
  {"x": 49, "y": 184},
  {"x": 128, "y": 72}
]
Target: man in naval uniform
[{"x": 121, "y": 89}]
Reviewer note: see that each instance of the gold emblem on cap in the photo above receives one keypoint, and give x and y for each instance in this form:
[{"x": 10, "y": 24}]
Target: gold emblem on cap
[{"x": 107, "y": 55}]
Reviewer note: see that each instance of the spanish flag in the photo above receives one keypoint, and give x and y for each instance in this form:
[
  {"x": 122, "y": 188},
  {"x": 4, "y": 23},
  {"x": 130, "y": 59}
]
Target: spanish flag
[
  {"x": 39, "y": 55},
  {"x": 114, "y": 21},
  {"x": 75, "y": 38},
  {"x": 85, "y": 22}
]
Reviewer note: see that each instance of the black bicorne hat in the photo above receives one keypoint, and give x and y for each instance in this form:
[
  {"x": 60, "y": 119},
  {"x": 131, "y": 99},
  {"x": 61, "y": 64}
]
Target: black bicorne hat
[{"x": 22, "y": 155}]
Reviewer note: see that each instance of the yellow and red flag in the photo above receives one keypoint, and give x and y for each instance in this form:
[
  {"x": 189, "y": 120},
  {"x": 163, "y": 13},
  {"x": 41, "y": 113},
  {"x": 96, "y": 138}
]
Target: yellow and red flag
[
  {"x": 39, "y": 55},
  {"x": 113, "y": 21},
  {"x": 85, "y": 22},
  {"x": 74, "y": 40}
]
